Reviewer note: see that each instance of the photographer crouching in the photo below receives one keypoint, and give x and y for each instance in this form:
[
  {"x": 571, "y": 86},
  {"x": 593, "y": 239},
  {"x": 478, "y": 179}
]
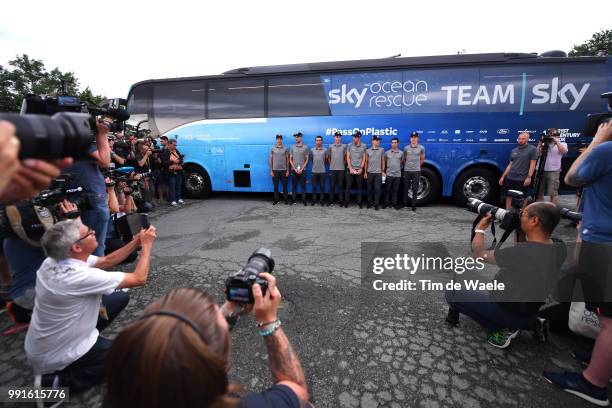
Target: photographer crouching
[
  {"x": 63, "y": 341},
  {"x": 527, "y": 270}
]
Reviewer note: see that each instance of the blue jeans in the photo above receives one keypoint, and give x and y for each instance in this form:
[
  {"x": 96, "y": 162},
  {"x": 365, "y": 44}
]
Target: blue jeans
[
  {"x": 97, "y": 218},
  {"x": 485, "y": 311},
  {"x": 175, "y": 183}
]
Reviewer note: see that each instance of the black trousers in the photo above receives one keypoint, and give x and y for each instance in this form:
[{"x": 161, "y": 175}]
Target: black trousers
[
  {"x": 392, "y": 189},
  {"x": 374, "y": 182},
  {"x": 280, "y": 175},
  {"x": 411, "y": 177},
  {"x": 357, "y": 179},
  {"x": 89, "y": 369},
  {"x": 336, "y": 178},
  {"x": 318, "y": 183},
  {"x": 295, "y": 179}
]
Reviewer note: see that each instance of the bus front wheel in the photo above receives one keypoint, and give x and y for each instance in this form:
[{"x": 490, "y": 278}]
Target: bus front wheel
[
  {"x": 477, "y": 182},
  {"x": 197, "y": 182}
]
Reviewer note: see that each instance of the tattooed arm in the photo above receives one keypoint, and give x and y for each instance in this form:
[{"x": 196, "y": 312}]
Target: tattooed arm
[{"x": 284, "y": 363}]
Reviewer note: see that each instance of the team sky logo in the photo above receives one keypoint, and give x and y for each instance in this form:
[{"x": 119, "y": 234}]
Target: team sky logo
[{"x": 416, "y": 93}]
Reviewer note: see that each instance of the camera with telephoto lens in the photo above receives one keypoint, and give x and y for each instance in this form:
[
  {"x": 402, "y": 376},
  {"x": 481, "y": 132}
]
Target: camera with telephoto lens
[
  {"x": 239, "y": 285},
  {"x": 509, "y": 219},
  {"x": 57, "y": 127}
]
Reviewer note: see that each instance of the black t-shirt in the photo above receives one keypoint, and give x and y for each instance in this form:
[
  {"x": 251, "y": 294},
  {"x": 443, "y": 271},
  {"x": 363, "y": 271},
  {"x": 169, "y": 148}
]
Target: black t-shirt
[
  {"x": 529, "y": 271},
  {"x": 278, "y": 396}
]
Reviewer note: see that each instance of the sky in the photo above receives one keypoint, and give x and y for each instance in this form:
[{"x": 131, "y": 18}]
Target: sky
[{"x": 114, "y": 44}]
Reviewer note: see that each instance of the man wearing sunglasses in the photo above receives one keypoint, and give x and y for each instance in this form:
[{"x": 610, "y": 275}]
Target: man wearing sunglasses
[{"x": 75, "y": 300}]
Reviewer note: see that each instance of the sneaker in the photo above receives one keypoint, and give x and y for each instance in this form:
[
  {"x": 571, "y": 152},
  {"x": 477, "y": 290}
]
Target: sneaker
[
  {"x": 452, "y": 317},
  {"x": 583, "y": 357},
  {"x": 286, "y": 202},
  {"x": 376, "y": 208},
  {"x": 180, "y": 201},
  {"x": 576, "y": 384},
  {"x": 174, "y": 204},
  {"x": 502, "y": 338},
  {"x": 413, "y": 208},
  {"x": 323, "y": 204},
  {"x": 360, "y": 205},
  {"x": 305, "y": 203},
  {"x": 293, "y": 202},
  {"x": 541, "y": 330},
  {"x": 275, "y": 202}
]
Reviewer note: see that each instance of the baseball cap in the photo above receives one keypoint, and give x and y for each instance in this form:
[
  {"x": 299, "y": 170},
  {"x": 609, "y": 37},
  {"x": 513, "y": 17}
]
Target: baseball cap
[
  {"x": 279, "y": 136},
  {"x": 375, "y": 138},
  {"x": 297, "y": 134},
  {"x": 414, "y": 134},
  {"x": 357, "y": 134},
  {"x": 337, "y": 133}
]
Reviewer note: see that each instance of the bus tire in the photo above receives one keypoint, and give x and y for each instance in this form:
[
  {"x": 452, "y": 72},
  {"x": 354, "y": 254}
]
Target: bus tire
[
  {"x": 430, "y": 187},
  {"x": 476, "y": 182},
  {"x": 197, "y": 182}
]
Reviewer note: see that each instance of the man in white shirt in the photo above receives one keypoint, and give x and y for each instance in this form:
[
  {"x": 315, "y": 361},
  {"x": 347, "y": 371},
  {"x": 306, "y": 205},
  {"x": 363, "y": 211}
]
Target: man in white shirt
[
  {"x": 552, "y": 167},
  {"x": 63, "y": 338}
]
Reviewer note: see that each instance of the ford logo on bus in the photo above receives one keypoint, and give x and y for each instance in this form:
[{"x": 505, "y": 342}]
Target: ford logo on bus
[{"x": 502, "y": 131}]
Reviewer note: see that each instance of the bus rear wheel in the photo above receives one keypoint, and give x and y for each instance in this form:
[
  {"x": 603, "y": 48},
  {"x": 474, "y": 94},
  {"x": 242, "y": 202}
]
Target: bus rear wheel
[
  {"x": 197, "y": 182},
  {"x": 477, "y": 182}
]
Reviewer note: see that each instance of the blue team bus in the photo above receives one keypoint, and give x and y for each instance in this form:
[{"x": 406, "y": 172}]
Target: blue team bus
[{"x": 467, "y": 108}]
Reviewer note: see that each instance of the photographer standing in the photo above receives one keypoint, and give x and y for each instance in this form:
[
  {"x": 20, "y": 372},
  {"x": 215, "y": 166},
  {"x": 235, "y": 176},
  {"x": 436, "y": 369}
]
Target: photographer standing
[
  {"x": 173, "y": 162},
  {"x": 187, "y": 328},
  {"x": 87, "y": 175},
  {"x": 552, "y": 167},
  {"x": 63, "y": 338},
  {"x": 593, "y": 170}
]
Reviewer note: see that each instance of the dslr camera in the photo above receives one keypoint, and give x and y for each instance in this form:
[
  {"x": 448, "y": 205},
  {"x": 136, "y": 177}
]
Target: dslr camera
[{"x": 239, "y": 285}]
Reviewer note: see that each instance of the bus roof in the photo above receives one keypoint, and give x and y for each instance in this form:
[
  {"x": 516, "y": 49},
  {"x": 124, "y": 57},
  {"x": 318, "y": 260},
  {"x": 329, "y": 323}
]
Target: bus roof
[{"x": 386, "y": 63}]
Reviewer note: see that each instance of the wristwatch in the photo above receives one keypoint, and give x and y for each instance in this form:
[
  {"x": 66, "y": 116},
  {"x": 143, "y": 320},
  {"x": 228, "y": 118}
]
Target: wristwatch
[{"x": 480, "y": 231}]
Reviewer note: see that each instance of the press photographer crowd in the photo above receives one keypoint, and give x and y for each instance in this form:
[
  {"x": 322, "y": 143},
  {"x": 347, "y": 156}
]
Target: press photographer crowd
[{"x": 75, "y": 189}]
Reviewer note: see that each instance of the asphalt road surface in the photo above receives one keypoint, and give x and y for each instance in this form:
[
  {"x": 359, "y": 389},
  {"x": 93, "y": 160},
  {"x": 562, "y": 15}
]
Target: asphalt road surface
[{"x": 359, "y": 348}]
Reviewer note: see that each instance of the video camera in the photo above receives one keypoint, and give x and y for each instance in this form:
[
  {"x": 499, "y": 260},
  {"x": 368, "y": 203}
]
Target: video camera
[
  {"x": 594, "y": 120},
  {"x": 56, "y": 127},
  {"x": 239, "y": 285}
]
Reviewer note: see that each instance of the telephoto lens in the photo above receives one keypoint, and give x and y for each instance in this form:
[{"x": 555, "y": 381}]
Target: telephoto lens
[{"x": 65, "y": 134}]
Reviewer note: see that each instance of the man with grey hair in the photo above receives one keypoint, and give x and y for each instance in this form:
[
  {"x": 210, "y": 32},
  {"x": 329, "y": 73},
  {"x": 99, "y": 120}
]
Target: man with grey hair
[{"x": 63, "y": 342}]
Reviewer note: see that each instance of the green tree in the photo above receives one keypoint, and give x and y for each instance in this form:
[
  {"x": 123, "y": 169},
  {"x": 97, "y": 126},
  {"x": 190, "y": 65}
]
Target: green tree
[
  {"x": 27, "y": 75},
  {"x": 601, "y": 42}
]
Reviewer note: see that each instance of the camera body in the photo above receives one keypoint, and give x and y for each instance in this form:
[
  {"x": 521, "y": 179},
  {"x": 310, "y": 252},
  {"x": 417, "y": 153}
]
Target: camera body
[{"x": 239, "y": 285}]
